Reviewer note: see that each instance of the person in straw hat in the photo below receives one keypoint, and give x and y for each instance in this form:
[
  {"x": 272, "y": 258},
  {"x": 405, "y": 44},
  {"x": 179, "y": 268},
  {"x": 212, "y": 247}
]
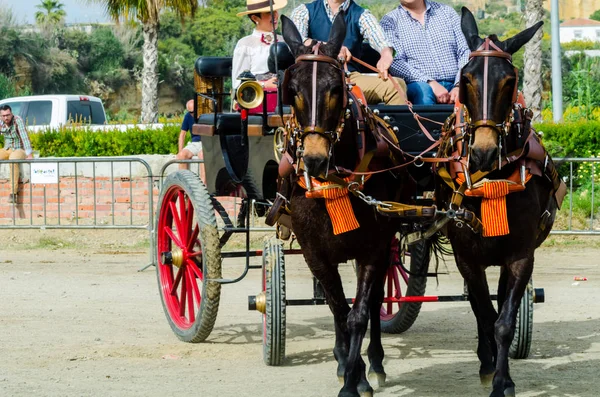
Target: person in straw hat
[{"x": 252, "y": 52}]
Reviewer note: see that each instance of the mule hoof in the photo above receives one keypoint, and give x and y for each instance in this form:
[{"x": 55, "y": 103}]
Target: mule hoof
[
  {"x": 366, "y": 393},
  {"x": 486, "y": 379},
  {"x": 509, "y": 392},
  {"x": 377, "y": 379},
  {"x": 341, "y": 380}
]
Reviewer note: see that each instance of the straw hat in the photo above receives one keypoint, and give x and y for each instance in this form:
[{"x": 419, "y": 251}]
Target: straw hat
[{"x": 258, "y": 6}]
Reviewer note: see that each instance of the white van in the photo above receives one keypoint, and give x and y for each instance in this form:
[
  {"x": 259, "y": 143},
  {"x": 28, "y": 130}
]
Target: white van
[{"x": 43, "y": 111}]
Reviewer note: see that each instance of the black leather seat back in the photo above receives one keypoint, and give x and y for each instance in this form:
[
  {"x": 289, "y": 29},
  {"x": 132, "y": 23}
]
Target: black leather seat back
[{"x": 213, "y": 66}]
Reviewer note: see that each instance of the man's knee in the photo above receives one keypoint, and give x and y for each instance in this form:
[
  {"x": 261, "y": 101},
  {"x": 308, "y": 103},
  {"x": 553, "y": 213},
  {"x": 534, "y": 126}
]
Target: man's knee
[
  {"x": 4, "y": 154},
  {"x": 184, "y": 155},
  {"x": 420, "y": 93},
  {"x": 18, "y": 154}
]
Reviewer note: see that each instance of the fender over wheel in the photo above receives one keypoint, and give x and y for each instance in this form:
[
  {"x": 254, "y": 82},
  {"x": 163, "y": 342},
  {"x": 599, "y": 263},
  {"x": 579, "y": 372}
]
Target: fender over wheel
[
  {"x": 273, "y": 268},
  {"x": 188, "y": 256}
]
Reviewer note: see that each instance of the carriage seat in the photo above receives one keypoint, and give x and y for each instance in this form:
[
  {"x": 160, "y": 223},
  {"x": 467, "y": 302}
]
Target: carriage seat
[
  {"x": 213, "y": 66},
  {"x": 227, "y": 124}
]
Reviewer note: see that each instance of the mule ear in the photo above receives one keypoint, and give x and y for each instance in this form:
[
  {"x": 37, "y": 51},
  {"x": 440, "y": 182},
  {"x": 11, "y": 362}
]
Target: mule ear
[
  {"x": 291, "y": 36},
  {"x": 469, "y": 29},
  {"x": 336, "y": 36},
  {"x": 515, "y": 43}
]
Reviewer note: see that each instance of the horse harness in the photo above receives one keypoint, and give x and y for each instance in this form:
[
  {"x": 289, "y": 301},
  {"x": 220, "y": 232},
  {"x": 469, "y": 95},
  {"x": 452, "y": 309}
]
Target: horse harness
[{"x": 339, "y": 179}]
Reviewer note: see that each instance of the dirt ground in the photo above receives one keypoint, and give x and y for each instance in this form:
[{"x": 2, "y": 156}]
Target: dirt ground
[{"x": 78, "y": 319}]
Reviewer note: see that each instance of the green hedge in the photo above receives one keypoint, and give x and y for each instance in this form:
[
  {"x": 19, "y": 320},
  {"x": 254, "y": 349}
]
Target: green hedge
[
  {"x": 82, "y": 142},
  {"x": 578, "y": 139}
]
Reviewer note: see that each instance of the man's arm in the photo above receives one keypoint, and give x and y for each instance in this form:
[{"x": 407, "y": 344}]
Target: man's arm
[
  {"x": 399, "y": 66},
  {"x": 372, "y": 32},
  {"x": 24, "y": 137},
  {"x": 300, "y": 18}
]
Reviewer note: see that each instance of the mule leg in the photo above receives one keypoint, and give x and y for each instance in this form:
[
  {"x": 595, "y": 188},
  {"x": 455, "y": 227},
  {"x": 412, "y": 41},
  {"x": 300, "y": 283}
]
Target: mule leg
[
  {"x": 375, "y": 352},
  {"x": 331, "y": 283},
  {"x": 518, "y": 274},
  {"x": 486, "y": 315},
  {"x": 355, "y": 383}
]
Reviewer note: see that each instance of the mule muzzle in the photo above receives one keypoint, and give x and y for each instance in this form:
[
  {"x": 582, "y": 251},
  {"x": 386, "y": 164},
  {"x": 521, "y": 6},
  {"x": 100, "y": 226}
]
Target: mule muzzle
[{"x": 483, "y": 159}]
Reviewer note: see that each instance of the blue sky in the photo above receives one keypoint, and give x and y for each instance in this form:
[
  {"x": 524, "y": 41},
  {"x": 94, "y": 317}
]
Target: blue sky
[{"x": 78, "y": 11}]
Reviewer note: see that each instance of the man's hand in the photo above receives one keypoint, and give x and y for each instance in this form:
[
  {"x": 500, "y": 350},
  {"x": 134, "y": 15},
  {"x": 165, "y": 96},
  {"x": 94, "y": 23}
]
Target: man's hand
[
  {"x": 385, "y": 61},
  {"x": 30, "y": 156},
  {"x": 454, "y": 95},
  {"x": 345, "y": 54},
  {"x": 441, "y": 94}
]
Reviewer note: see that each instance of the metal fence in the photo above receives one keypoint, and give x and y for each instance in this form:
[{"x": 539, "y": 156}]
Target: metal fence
[
  {"x": 80, "y": 193},
  {"x": 580, "y": 176},
  {"x": 119, "y": 193}
]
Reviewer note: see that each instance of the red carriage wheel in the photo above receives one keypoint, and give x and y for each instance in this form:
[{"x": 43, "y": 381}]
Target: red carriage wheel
[
  {"x": 397, "y": 317},
  {"x": 188, "y": 256},
  {"x": 271, "y": 302}
]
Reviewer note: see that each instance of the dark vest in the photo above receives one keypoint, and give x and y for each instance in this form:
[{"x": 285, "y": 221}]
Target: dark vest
[{"x": 319, "y": 27}]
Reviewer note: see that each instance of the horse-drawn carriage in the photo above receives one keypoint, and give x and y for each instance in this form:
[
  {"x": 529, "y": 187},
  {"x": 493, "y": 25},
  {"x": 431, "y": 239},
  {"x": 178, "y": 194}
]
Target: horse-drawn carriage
[{"x": 242, "y": 154}]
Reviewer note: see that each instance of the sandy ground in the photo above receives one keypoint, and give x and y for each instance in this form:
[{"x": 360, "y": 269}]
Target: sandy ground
[{"x": 82, "y": 321}]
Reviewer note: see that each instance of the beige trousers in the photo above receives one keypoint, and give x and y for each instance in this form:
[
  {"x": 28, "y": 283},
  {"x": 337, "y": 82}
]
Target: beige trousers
[
  {"x": 10, "y": 154},
  {"x": 377, "y": 90}
]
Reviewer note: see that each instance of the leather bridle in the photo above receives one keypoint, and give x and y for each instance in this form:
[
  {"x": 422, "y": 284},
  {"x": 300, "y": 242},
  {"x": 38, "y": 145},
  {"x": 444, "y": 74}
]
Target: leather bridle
[
  {"x": 485, "y": 52},
  {"x": 313, "y": 128}
]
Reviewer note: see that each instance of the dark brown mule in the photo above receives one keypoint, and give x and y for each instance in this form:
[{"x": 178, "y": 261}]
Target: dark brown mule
[
  {"x": 488, "y": 91},
  {"x": 319, "y": 103}
]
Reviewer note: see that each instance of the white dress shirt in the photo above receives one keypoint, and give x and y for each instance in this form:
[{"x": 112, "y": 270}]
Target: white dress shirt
[{"x": 252, "y": 54}]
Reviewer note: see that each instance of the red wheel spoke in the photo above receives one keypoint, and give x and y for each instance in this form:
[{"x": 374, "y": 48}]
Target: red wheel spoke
[
  {"x": 176, "y": 218},
  {"x": 189, "y": 220},
  {"x": 390, "y": 290},
  {"x": 175, "y": 239},
  {"x": 194, "y": 238},
  {"x": 190, "y": 294},
  {"x": 194, "y": 267},
  {"x": 182, "y": 216},
  {"x": 183, "y": 297},
  {"x": 195, "y": 288},
  {"x": 176, "y": 283},
  {"x": 195, "y": 253}
]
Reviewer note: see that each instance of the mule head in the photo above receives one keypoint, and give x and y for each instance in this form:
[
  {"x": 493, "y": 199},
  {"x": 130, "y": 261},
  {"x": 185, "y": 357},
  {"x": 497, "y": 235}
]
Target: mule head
[
  {"x": 316, "y": 96},
  {"x": 488, "y": 89}
]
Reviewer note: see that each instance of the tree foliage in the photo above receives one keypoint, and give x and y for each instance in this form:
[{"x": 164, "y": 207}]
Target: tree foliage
[
  {"x": 595, "y": 15},
  {"x": 51, "y": 12}
]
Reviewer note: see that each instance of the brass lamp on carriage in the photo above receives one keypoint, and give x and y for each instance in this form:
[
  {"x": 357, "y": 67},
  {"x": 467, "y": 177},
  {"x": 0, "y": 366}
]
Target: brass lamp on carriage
[{"x": 249, "y": 95}]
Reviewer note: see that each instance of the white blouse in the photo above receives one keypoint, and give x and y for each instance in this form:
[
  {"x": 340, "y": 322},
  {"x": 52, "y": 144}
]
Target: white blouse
[{"x": 250, "y": 54}]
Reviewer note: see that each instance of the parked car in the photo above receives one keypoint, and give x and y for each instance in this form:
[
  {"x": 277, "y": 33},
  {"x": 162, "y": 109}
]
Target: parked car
[{"x": 41, "y": 112}]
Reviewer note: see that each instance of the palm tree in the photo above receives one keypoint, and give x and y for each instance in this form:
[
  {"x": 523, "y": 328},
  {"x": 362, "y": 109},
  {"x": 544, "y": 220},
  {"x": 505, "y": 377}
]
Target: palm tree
[
  {"x": 147, "y": 12},
  {"x": 532, "y": 81},
  {"x": 54, "y": 12}
]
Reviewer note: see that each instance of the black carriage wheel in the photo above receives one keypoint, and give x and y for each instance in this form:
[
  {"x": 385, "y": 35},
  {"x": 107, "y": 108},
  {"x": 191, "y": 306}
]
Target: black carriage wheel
[
  {"x": 521, "y": 344},
  {"x": 188, "y": 256},
  {"x": 274, "y": 289},
  {"x": 399, "y": 317}
]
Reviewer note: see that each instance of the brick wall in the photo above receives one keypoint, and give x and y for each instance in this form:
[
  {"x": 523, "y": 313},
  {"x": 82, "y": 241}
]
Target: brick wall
[{"x": 119, "y": 201}]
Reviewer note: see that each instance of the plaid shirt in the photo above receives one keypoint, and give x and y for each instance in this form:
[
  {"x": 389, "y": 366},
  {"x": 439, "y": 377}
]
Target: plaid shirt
[
  {"x": 368, "y": 25},
  {"x": 15, "y": 136},
  {"x": 435, "y": 51}
]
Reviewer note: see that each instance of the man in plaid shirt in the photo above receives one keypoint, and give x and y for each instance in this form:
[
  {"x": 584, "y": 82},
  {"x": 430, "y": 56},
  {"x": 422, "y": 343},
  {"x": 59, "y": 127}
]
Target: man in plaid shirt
[
  {"x": 16, "y": 145},
  {"x": 430, "y": 49}
]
